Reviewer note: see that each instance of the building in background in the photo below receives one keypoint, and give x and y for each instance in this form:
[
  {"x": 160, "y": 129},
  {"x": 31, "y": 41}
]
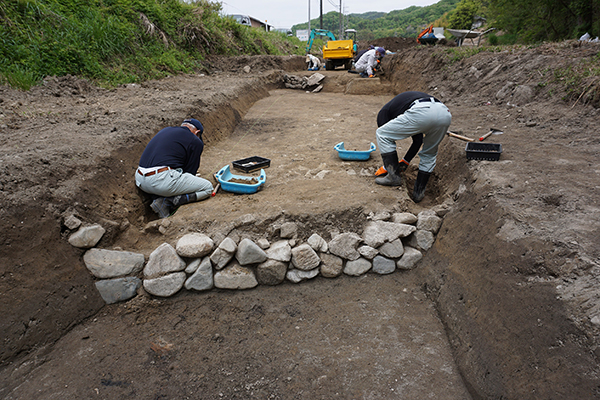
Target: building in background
[{"x": 252, "y": 22}]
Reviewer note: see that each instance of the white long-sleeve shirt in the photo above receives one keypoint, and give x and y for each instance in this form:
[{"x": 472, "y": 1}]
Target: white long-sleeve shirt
[
  {"x": 367, "y": 62},
  {"x": 313, "y": 61}
]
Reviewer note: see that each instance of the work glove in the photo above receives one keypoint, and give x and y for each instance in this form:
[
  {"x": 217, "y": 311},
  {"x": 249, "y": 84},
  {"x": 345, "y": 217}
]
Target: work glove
[{"x": 371, "y": 76}]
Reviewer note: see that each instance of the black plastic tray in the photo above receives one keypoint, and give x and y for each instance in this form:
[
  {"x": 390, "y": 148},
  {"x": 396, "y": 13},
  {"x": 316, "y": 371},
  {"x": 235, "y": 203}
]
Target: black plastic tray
[
  {"x": 251, "y": 163},
  {"x": 483, "y": 151}
]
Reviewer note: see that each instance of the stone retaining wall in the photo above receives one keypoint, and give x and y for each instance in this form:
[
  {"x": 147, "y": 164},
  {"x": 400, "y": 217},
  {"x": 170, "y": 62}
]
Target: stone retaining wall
[{"x": 388, "y": 242}]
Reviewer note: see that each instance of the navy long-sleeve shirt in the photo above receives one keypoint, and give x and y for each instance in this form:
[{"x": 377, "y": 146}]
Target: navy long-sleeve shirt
[
  {"x": 175, "y": 147},
  {"x": 397, "y": 106}
]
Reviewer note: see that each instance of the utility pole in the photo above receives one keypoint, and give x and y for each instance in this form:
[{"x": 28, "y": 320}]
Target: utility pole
[
  {"x": 308, "y": 17},
  {"x": 321, "y": 20},
  {"x": 341, "y": 28}
]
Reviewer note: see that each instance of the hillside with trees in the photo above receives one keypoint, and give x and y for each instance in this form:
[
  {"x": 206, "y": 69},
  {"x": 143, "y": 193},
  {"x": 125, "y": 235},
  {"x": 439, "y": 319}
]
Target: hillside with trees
[
  {"x": 519, "y": 21},
  {"x": 373, "y": 25}
]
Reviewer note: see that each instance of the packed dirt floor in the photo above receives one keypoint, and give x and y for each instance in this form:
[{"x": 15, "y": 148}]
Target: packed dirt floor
[{"x": 505, "y": 305}]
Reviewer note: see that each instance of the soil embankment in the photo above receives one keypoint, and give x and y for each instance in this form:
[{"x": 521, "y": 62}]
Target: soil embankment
[{"x": 513, "y": 274}]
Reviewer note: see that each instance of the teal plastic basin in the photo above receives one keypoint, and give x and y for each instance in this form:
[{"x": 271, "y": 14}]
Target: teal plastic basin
[
  {"x": 224, "y": 177},
  {"x": 353, "y": 155}
]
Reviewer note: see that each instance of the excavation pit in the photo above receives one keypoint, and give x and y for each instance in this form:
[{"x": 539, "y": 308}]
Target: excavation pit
[{"x": 483, "y": 314}]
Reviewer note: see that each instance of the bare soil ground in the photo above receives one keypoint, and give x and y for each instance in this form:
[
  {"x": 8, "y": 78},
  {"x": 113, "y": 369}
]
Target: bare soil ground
[{"x": 512, "y": 278}]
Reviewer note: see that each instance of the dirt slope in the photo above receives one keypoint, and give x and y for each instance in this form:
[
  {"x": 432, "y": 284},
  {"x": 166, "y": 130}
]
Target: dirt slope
[{"x": 513, "y": 274}]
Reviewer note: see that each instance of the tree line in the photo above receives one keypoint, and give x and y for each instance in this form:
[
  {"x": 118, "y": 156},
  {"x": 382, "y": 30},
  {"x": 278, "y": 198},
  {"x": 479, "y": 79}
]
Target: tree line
[{"x": 518, "y": 21}]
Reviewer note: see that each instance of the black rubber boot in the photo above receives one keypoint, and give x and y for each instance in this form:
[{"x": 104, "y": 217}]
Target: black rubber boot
[
  {"x": 393, "y": 178},
  {"x": 420, "y": 183},
  {"x": 183, "y": 199}
]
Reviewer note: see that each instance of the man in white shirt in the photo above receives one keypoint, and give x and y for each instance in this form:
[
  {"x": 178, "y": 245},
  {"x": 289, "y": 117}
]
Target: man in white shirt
[{"x": 368, "y": 62}]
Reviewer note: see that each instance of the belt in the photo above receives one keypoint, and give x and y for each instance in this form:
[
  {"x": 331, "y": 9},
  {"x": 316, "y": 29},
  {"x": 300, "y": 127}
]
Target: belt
[
  {"x": 424, "y": 100},
  {"x": 163, "y": 169}
]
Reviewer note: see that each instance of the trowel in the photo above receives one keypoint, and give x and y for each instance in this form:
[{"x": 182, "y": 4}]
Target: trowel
[{"x": 492, "y": 131}]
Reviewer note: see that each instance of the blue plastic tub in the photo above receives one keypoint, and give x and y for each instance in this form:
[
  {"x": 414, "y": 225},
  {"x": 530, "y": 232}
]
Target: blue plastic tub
[
  {"x": 352, "y": 155},
  {"x": 224, "y": 176}
]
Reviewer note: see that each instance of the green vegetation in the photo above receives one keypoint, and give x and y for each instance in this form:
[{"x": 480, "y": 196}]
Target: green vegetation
[
  {"x": 519, "y": 21},
  {"x": 456, "y": 54},
  {"x": 121, "y": 41},
  {"x": 462, "y": 16},
  {"x": 373, "y": 25},
  {"x": 530, "y": 21},
  {"x": 584, "y": 75},
  {"x": 113, "y": 42}
]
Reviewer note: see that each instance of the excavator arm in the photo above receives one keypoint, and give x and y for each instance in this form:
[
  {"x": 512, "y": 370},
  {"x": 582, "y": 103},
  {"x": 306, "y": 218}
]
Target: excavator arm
[
  {"x": 425, "y": 32},
  {"x": 317, "y": 32}
]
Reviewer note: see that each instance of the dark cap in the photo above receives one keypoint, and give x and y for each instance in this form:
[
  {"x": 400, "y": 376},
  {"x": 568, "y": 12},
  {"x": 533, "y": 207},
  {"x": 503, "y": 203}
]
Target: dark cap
[
  {"x": 381, "y": 51},
  {"x": 196, "y": 123}
]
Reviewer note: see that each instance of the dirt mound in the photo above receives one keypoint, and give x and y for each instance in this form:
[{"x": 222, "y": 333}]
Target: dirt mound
[
  {"x": 65, "y": 85},
  {"x": 256, "y": 63},
  {"x": 393, "y": 44}
]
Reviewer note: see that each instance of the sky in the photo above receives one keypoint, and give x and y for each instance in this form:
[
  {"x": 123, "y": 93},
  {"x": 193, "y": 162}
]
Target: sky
[{"x": 285, "y": 13}]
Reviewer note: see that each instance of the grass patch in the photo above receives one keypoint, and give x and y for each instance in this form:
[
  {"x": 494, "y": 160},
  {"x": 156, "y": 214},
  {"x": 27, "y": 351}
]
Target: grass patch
[{"x": 112, "y": 42}]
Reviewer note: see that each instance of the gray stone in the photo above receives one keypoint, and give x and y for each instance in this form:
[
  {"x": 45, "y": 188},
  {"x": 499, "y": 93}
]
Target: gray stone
[
  {"x": 392, "y": 249},
  {"x": 218, "y": 238},
  {"x": 194, "y": 245},
  {"x": 164, "y": 225},
  {"x": 235, "y": 277},
  {"x": 87, "y": 236},
  {"x": 383, "y": 265},
  {"x": 331, "y": 266},
  {"x": 357, "y": 267},
  {"x": 344, "y": 245},
  {"x": 368, "y": 252},
  {"x": 523, "y": 94},
  {"x": 506, "y": 91},
  {"x": 193, "y": 266},
  {"x": 72, "y": 222},
  {"x": 317, "y": 243},
  {"x": 223, "y": 253},
  {"x": 248, "y": 252},
  {"x": 442, "y": 209},
  {"x": 111, "y": 264},
  {"x": 380, "y": 216},
  {"x": 263, "y": 243},
  {"x": 315, "y": 79},
  {"x": 305, "y": 258},
  {"x": 404, "y": 218},
  {"x": 245, "y": 220},
  {"x": 271, "y": 272},
  {"x": 377, "y": 233},
  {"x": 163, "y": 260},
  {"x": 202, "y": 279},
  {"x": 288, "y": 230},
  {"x": 429, "y": 221},
  {"x": 421, "y": 240},
  {"x": 297, "y": 276},
  {"x": 166, "y": 285},
  {"x": 120, "y": 289},
  {"x": 280, "y": 251},
  {"x": 409, "y": 259}
]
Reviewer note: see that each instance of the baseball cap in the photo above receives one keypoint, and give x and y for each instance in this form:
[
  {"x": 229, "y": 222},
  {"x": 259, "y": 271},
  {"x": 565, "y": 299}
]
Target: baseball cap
[
  {"x": 196, "y": 124},
  {"x": 381, "y": 51}
]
